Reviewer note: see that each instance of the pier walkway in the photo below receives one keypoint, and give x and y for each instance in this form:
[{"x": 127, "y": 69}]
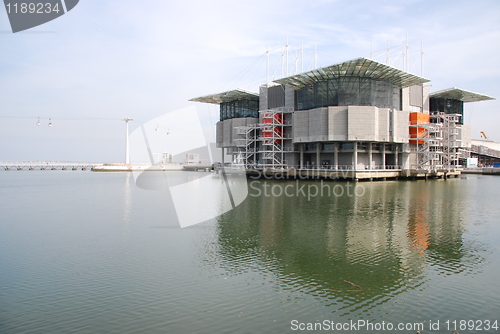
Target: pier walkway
[
  {"x": 48, "y": 165},
  {"x": 349, "y": 173}
]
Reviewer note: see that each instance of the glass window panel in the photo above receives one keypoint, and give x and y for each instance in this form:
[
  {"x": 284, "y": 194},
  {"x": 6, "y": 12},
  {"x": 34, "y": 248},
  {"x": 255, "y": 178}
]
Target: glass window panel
[
  {"x": 328, "y": 147},
  {"x": 396, "y": 98},
  {"x": 346, "y": 146},
  {"x": 333, "y": 94},
  {"x": 305, "y": 98},
  {"x": 365, "y": 92},
  {"x": 320, "y": 94},
  {"x": 348, "y": 91},
  {"x": 239, "y": 108}
]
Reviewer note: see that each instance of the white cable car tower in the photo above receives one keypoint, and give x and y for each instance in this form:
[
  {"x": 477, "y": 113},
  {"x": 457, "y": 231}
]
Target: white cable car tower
[{"x": 127, "y": 156}]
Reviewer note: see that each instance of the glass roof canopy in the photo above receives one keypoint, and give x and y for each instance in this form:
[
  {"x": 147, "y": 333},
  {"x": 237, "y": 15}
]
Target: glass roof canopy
[
  {"x": 461, "y": 95},
  {"x": 361, "y": 67},
  {"x": 229, "y": 96}
]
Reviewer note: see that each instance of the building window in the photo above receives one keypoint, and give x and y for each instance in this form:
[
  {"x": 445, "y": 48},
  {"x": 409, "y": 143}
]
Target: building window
[
  {"x": 448, "y": 106},
  {"x": 362, "y": 146},
  {"x": 310, "y": 147},
  {"x": 345, "y": 91},
  {"x": 239, "y": 109},
  {"x": 328, "y": 147},
  {"x": 276, "y": 96},
  {"x": 346, "y": 146}
]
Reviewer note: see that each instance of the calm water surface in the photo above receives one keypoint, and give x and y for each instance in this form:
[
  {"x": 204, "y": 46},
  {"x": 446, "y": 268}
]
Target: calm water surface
[{"x": 90, "y": 252}]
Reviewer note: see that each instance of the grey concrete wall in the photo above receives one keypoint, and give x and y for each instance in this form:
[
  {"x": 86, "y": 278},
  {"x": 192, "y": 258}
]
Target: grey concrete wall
[
  {"x": 289, "y": 98},
  {"x": 412, "y": 157},
  {"x": 263, "y": 97},
  {"x": 377, "y": 159},
  {"x": 345, "y": 158},
  {"x": 276, "y": 97},
  {"x": 353, "y": 123},
  {"x": 363, "y": 160},
  {"x": 465, "y": 135},
  {"x": 318, "y": 124},
  {"x": 300, "y": 126},
  {"x": 383, "y": 124},
  {"x": 426, "y": 94},
  {"x": 227, "y": 132},
  {"x": 227, "y": 139},
  {"x": 405, "y": 98},
  {"x": 337, "y": 123},
  {"x": 401, "y": 123},
  {"x": 416, "y": 96},
  {"x": 362, "y": 122},
  {"x": 219, "y": 134},
  {"x": 328, "y": 156},
  {"x": 292, "y": 159},
  {"x": 404, "y": 160}
]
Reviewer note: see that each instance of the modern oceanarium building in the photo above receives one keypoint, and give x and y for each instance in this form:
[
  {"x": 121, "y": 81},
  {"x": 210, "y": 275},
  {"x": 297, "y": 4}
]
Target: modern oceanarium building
[{"x": 358, "y": 115}]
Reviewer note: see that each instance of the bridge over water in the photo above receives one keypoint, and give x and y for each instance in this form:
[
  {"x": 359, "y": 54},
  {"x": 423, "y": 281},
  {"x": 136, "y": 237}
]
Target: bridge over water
[
  {"x": 48, "y": 165},
  {"x": 486, "y": 155}
]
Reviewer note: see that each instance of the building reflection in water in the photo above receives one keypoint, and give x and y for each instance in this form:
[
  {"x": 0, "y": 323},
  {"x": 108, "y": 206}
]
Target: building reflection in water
[{"x": 386, "y": 241}]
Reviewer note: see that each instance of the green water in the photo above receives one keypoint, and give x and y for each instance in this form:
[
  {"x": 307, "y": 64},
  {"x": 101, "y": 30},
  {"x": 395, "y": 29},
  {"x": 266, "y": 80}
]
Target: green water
[{"x": 92, "y": 253}]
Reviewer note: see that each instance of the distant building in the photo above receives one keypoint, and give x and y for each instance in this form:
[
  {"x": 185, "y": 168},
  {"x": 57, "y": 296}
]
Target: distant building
[
  {"x": 356, "y": 115},
  {"x": 192, "y": 158}
]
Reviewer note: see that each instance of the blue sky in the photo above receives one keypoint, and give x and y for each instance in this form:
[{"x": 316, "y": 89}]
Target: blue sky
[{"x": 110, "y": 59}]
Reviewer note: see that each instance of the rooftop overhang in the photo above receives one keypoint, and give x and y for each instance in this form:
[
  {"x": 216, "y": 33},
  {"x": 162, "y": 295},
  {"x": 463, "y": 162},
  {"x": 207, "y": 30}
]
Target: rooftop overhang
[
  {"x": 361, "y": 67},
  {"x": 232, "y": 95},
  {"x": 461, "y": 95}
]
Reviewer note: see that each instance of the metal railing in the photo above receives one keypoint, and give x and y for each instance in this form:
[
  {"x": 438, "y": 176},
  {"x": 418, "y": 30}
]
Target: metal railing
[
  {"x": 335, "y": 168},
  {"x": 483, "y": 150},
  {"x": 51, "y": 165}
]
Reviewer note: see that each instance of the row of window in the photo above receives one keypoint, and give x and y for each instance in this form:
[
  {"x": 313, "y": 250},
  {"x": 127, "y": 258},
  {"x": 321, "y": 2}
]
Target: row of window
[
  {"x": 345, "y": 146},
  {"x": 448, "y": 106},
  {"x": 239, "y": 108},
  {"x": 346, "y": 91}
]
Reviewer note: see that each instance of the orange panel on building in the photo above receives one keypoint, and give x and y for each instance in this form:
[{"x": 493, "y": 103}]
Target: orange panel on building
[
  {"x": 418, "y": 118},
  {"x": 278, "y": 119}
]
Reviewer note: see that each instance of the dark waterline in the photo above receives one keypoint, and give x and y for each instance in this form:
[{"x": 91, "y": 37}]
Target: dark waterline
[{"x": 92, "y": 253}]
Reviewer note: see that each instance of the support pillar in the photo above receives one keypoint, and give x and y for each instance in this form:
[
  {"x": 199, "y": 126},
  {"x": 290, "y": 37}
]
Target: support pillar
[
  {"x": 336, "y": 155},
  {"x": 370, "y": 155},
  {"x": 396, "y": 156},
  {"x": 301, "y": 145},
  {"x": 355, "y": 156},
  {"x": 383, "y": 155},
  {"x": 318, "y": 157}
]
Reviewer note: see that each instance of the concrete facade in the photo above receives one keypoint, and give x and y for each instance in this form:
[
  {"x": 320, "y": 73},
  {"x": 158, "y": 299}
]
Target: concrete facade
[
  {"x": 226, "y": 130},
  {"x": 354, "y": 115},
  {"x": 350, "y": 123}
]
